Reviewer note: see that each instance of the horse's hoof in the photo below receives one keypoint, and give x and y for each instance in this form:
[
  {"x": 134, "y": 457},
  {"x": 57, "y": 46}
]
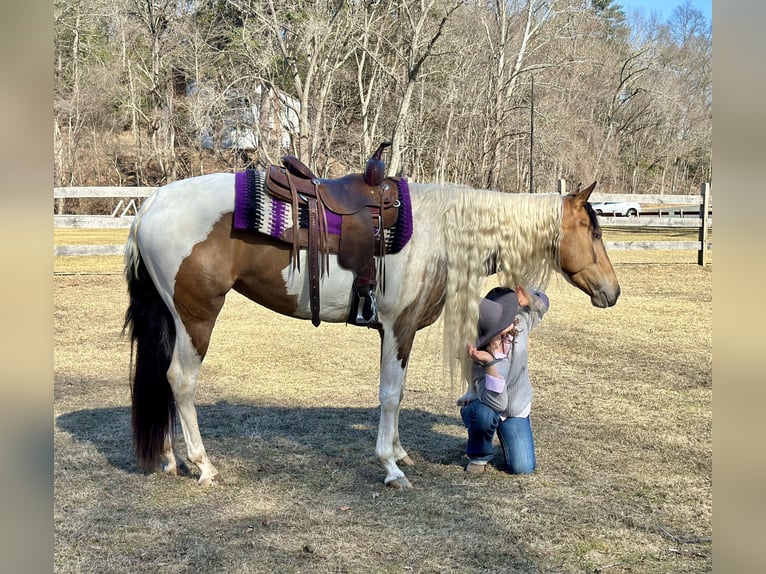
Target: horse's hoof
[
  {"x": 215, "y": 480},
  {"x": 406, "y": 461},
  {"x": 179, "y": 469},
  {"x": 400, "y": 483}
]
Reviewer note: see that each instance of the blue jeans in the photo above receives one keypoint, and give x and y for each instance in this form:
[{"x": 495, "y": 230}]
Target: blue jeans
[{"x": 515, "y": 434}]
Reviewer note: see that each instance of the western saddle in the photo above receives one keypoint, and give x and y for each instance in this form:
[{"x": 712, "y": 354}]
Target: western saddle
[{"x": 366, "y": 204}]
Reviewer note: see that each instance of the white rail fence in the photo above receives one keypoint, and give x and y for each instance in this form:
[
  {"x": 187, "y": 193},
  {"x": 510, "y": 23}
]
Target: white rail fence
[{"x": 681, "y": 211}]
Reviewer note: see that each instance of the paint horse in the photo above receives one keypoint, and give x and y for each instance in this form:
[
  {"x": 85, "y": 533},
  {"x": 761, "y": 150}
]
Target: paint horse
[{"x": 184, "y": 254}]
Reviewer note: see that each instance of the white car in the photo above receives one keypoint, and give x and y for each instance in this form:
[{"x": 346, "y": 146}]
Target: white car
[{"x": 616, "y": 208}]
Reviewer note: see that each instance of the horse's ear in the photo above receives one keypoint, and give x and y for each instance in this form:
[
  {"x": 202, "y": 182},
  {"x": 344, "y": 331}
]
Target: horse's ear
[{"x": 583, "y": 195}]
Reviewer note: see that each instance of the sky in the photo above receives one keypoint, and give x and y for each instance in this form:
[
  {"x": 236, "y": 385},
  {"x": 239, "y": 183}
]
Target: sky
[{"x": 665, "y": 7}]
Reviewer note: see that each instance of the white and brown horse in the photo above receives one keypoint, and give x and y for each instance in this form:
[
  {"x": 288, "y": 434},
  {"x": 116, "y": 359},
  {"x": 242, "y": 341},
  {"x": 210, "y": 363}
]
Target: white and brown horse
[{"x": 183, "y": 255}]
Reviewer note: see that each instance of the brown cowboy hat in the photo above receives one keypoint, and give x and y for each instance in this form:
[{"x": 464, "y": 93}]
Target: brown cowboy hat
[{"x": 496, "y": 316}]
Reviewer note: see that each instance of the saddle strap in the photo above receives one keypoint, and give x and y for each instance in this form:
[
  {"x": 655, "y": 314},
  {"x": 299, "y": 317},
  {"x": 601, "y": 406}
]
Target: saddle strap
[
  {"x": 381, "y": 269},
  {"x": 296, "y": 243},
  {"x": 324, "y": 245},
  {"x": 313, "y": 260}
]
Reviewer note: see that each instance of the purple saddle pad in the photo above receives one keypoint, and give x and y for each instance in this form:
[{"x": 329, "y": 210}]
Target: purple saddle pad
[{"x": 256, "y": 210}]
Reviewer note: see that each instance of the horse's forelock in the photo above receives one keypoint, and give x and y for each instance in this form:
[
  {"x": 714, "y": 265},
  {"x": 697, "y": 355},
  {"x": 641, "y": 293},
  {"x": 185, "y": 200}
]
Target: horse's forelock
[{"x": 592, "y": 217}]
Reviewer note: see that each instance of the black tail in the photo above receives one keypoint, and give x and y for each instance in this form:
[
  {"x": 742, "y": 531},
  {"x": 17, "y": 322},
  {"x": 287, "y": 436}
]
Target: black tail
[{"x": 152, "y": 336}]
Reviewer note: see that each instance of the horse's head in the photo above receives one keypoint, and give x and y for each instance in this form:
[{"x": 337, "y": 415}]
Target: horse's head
[{"x": 582, "y": 256}]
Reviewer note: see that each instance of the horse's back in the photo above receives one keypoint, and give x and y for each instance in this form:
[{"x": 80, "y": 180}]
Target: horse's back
[{"x": 193, "y": 197}]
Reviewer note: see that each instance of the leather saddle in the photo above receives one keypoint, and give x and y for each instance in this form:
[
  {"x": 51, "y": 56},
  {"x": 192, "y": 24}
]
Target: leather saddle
[{"x": 367, "y": 204}]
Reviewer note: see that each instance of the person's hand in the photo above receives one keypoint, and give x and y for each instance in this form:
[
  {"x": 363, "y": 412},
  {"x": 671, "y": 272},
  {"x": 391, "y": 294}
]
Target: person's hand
[
  {"x": 479, "y": 355},
  {"x": 522, "y": 296}
]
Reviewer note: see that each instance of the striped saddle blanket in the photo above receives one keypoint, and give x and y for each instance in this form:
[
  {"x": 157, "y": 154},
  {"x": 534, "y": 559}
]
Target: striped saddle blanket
[{"x": 256, "y": 210}]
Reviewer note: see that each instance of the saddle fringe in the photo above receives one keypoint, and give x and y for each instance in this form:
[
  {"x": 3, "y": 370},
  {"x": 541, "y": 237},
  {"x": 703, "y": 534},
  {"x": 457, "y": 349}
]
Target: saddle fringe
[{"x": 324, "y": 243}]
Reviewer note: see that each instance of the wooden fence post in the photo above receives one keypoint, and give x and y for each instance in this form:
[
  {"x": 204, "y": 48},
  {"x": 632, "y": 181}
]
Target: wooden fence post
[
  {"x": 704, "y": 210},
  {"x": 562, "y": 186}
]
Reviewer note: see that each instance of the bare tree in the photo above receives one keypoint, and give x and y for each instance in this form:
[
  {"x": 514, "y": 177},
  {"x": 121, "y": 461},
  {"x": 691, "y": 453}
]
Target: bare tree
[
  {"x": 510, "y": 54},
  {"x": 369, "y": 68},
  {"x": 314, "y": 40},
  {"x": 418, "y": 41},
  {"x": 147, "y": 91}
]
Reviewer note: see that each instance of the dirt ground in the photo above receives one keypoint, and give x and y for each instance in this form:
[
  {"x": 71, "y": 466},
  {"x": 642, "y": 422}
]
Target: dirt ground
[{"x": 622, "y": 417}]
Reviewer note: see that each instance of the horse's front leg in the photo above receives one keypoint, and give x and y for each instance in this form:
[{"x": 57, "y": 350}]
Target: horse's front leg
[
  {"x": 399, "y": 453},
  {"x": 388, "y": 448}
]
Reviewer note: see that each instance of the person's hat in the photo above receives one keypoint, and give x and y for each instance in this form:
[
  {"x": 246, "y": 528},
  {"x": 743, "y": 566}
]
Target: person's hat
[
  {"x": 506, "y": 296},
  {"x": 496, "y": 316},
  {"x": 503, "y": 295}
]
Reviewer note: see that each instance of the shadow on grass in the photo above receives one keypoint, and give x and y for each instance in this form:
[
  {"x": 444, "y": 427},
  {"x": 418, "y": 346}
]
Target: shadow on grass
[
  {"x": 235, "y": 430},
  {"x": 310, "y": 461}
]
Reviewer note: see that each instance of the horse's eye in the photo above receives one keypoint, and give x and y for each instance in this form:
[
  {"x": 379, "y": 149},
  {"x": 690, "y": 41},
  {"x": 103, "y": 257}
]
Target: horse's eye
[{"x": 596, "y": 235}]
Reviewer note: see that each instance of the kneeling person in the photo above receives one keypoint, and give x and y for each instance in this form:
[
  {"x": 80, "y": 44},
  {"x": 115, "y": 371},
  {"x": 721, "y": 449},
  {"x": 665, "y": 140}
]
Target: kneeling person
[{"x": 499, "y": 397}]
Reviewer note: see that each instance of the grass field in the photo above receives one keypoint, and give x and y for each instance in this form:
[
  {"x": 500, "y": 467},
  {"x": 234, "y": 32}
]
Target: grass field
[{"x": 622, "y": 418}]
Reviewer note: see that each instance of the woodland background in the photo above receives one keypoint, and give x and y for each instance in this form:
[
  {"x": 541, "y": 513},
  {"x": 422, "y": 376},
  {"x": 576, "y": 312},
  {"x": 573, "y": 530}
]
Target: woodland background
[{"x": 150, "y": 91}]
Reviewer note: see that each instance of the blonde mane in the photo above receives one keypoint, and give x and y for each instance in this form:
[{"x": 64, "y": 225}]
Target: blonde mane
[{"x": 519, "y": 233}]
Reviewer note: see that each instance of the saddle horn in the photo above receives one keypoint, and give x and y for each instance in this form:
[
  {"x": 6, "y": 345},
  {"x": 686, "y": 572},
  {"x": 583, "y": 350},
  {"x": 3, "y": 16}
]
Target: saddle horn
[{"x": 376, "y": 167}]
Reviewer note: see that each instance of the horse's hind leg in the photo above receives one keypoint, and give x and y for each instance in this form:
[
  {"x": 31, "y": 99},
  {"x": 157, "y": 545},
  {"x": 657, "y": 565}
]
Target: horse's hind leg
[
  {"x": 171, "y": 463},
  {"x": 182, "y": 375}
]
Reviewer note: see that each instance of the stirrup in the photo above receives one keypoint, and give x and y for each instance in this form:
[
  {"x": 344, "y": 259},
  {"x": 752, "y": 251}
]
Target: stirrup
[{"x": 367, "y": 306}]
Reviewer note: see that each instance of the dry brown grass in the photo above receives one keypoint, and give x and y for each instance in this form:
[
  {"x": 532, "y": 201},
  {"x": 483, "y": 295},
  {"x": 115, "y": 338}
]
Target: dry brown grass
[{"x": 622, "y": 419}]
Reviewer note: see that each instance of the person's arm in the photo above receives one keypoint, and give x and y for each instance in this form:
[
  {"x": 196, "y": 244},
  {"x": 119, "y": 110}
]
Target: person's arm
[
  {"x": 492, "y": 391},
  {"x": 538, "y": 306},
  {"x": 490, "y": 387}
]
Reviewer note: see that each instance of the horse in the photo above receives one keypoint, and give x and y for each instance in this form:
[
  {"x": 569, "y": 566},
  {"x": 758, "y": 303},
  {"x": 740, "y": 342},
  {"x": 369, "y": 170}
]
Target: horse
[{"x": 183, "y": 255}]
